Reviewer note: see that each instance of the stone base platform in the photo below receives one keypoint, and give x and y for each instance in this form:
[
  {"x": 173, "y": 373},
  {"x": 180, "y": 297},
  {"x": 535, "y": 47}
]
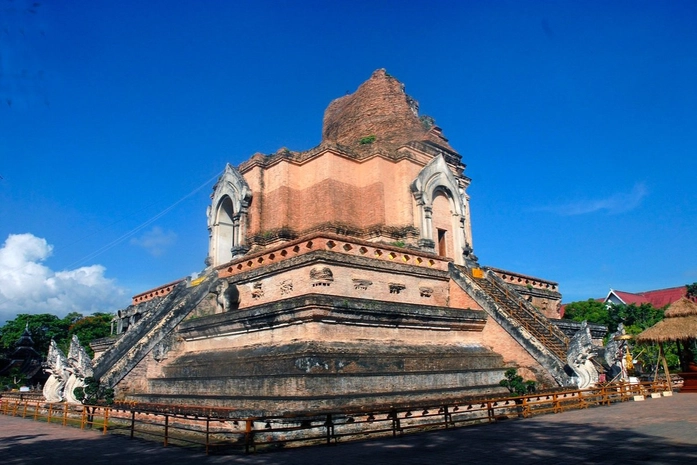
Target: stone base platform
[{"x": 325, "y": 375}]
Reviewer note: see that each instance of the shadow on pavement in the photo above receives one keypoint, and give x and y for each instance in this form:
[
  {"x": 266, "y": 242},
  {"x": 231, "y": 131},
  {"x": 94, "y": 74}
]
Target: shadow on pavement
[{"x": 519, "y": 442}]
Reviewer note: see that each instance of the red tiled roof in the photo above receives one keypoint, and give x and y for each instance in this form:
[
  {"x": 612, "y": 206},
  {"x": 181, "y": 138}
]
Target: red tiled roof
[
  {"x": 658, "y": 298},
  {"x": 629, "y": 298},
  {"x": 663, "y": 297}
]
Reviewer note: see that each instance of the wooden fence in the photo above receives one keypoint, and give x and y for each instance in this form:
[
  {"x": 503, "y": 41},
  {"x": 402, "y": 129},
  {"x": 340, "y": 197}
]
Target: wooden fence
[{"x": 220, "y": 428}]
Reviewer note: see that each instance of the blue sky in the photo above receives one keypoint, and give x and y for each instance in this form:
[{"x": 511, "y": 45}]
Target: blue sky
[{"x": 577, "y": 122}]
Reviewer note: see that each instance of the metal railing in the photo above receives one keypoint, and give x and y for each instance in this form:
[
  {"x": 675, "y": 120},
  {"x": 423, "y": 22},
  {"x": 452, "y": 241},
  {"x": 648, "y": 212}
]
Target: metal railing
[{"x": 221, "y": 428}]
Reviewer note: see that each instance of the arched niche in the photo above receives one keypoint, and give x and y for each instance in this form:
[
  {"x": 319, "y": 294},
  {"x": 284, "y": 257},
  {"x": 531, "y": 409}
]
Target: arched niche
[
  {"x": 442, "y": 211},
  {"x": 227, "y": 217}
]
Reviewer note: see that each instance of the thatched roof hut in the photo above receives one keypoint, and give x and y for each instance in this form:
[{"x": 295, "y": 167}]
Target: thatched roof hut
[{"x": 679, "y": 324}]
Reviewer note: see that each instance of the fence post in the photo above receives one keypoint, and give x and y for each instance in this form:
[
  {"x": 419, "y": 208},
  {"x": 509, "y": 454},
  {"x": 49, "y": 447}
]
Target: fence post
[
  {"x": 24, "y": 413},
  {"x": 50, "y": 411},
  {"x": 605, "y": 396},
  {"x": 248, "y": 435},
  {"x": 133, "y": 422},
  {"x": 395, "y": 422},
  {"x": 489, "y": 411},
  {"x": 330, "y": 428},
  {"x": 525, "y": 407},
  {"x": 208, "y": 429},
  {"x": 65, "y": 414},
  {"x": 166, "y": 428},
  {"x": 106, "y": 419}
]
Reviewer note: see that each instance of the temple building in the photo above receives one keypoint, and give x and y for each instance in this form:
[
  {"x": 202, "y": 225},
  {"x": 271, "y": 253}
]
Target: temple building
[
  {"x": 24, "y": 363},
  {"x": 340, "y": 276}
]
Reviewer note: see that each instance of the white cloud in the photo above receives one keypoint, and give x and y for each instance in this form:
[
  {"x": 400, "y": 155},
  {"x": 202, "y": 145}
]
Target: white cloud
[
  {"x": 29, "y": 286},
  {"x": 617, "y": 203},
  {"x": 156, "y": 241}
]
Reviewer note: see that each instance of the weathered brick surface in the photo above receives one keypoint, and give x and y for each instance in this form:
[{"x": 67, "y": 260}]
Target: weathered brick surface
[
  {"x": 354, "y": 313},
  {"x": 342, "y": 180},
  {"x": 348, "y": 282},
  {"x": 498, "y": 340},
  {"x": 330, "y": 188},
  {"x": 460, "y": 299},
  {"x": 379, "y": 108}
]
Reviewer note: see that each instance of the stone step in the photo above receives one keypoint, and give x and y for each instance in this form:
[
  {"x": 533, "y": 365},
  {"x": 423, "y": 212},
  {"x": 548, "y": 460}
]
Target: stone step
[{"x": 543, "y": 332}]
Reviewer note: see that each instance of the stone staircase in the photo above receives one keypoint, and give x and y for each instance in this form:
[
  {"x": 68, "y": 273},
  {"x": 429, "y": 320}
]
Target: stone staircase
[
  {"x": 155, "y": 325},
  {"x": 534, "y": 331}
]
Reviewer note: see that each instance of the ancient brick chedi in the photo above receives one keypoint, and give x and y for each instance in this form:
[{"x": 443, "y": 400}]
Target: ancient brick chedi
[{"x": 339, "y": 276}]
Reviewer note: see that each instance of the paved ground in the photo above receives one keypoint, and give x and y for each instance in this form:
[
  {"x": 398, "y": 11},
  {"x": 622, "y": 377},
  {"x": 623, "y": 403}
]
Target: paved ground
[{"x": 654, "y": 431}]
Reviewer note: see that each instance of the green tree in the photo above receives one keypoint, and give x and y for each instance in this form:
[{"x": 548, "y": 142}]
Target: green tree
[
  {"x": 691, "y": 290},
  {"x": 635, "y": 318},
  {"x": 13, "y": 380},
  {"x": 589, "y": 310},
  {"x": 515, "y": 384},
  {"x": 90, "y": 328},
  {"x": 93, "y": 393},
  {"x": 42, "y": 327}
]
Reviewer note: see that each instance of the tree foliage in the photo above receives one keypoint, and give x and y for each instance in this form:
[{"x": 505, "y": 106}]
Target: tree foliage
[
  {"x": 90, "y": 328},
  {"x": 589, "y": 310},
  {"x": 93, "y": 393},
  {"x": 12, "y": 380},
  {"x": 635, "y": 318},
  {"x": 691, "y": 290},
  {"x": 44, "y": 327},
  {"x": 515, "y": 384}
]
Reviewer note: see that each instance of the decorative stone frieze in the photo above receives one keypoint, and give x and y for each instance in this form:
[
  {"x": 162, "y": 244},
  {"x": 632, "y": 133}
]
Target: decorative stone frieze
[
  {"x": 426, "y": 291},
  {"x": 257, "y": 290},
  {"x": 396, "y": 288},
  {"x": 286, "y": 287},
  {"x": 321, "y": 276},
  {"x": 361, "y": 284}
]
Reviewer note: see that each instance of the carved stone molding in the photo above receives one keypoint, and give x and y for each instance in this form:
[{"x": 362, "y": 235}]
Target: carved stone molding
[
  {"x": 361, "y": 284},
  {"x": 257, "y": 290},
  {"x": 426, "y": 291},
  {"x": 321, "y": 276},
  {"x": 286, "y": 286},
  {"x": 396, "y": 288}
]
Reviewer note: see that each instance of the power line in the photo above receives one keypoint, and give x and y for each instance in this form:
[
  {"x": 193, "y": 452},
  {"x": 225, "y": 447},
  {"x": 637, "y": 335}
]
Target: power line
[
  {"x": 130, "y": 233},
  {"x": 143, "y": 225}
]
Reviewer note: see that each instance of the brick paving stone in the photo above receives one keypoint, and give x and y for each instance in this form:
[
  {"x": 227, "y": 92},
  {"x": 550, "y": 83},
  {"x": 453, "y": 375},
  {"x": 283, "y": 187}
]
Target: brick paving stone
[{"x": 656, "y": 431}]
